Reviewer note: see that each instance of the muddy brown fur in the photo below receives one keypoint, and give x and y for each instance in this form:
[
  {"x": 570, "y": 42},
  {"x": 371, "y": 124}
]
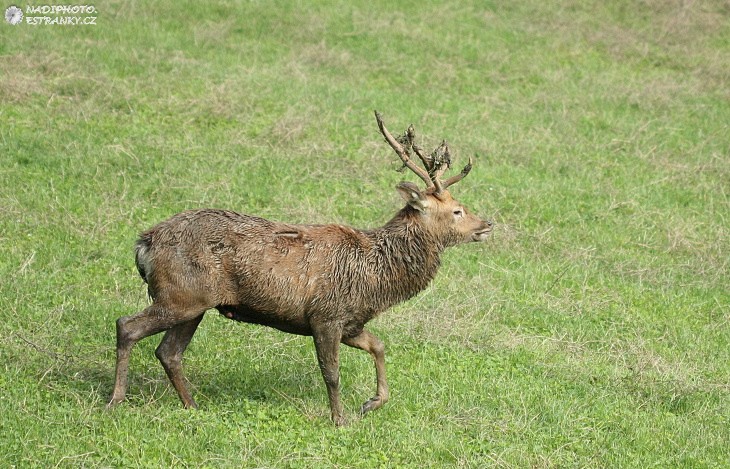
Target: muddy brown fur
[{"x": 324, "y": 281}]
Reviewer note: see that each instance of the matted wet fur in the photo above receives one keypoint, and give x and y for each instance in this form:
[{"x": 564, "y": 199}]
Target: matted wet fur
[{"x": 324, "y": 281}]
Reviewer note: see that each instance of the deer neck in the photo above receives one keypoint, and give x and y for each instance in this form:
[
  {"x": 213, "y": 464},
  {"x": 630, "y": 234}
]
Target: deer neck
[{"x": 407, "y": 255}]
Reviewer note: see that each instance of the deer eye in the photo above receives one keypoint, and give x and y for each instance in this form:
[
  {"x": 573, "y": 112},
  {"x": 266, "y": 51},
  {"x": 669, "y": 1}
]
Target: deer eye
[{"x": 458, "y": 212}]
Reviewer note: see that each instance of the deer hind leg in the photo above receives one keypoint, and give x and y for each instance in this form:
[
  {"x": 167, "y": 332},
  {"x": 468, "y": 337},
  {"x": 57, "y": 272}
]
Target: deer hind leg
[
  {"x": 374, "y": 346},
  {"x": 170, "y": 352},
  {"x": 131, "y": 329}
]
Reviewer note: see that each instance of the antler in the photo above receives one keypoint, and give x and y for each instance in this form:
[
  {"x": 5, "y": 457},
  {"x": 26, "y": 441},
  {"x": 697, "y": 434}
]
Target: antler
[
  {"x": 436, "y": 164},
  {"x": 458, "y": 177},
  {"x": 402, "y": 152}
]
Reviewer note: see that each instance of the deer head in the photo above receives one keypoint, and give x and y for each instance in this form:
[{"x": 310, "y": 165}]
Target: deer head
[{"x": 438, "y": 211}]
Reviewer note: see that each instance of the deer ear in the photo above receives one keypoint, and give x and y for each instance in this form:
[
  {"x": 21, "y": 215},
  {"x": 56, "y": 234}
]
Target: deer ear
[{"x": 413, "y": 196}]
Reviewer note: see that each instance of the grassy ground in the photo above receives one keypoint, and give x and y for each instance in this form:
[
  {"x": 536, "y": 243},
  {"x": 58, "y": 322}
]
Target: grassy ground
[{"x": 592, "y": 330}]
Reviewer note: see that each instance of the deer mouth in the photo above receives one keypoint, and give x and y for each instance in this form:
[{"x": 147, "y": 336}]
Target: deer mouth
[{"x": 481, "y": 235}]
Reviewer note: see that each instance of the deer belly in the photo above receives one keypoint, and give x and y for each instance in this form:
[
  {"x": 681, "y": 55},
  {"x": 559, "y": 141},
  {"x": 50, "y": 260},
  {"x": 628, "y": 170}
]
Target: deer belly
[{"x": 243, "y": 313}]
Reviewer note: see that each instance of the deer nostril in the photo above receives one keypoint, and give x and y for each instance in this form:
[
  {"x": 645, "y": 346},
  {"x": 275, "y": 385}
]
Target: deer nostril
[{"x": 489, "y": 223}]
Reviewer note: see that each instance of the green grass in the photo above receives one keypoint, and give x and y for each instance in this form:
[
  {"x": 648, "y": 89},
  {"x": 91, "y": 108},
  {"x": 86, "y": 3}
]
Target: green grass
[{"x": 592, "y": 330}]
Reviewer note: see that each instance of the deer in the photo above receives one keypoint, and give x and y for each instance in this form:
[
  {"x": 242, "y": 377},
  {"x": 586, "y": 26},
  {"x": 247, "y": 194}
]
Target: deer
[{"x": 323, "y": 281}]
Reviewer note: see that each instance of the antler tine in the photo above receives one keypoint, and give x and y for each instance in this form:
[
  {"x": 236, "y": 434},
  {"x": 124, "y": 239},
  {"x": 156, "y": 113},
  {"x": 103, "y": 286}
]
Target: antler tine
[
  {"x": 427, "y": 161},
  {"x": 402, "y": 152},
  {"x": 458, "y": 177},
  {"x": 441, "y": 159}
]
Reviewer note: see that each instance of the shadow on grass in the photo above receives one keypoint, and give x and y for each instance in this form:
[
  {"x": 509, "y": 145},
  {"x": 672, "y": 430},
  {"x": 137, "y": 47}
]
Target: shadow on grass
[{"x": 86, "y": 376}]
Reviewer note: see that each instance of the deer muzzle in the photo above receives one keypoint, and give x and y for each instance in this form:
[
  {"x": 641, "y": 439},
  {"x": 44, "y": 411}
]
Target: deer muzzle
[{"x": 483, "y": 232}]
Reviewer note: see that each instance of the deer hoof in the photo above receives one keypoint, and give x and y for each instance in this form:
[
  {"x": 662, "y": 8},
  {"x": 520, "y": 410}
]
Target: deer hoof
[
  {"x": 113, "y": 402},
  {"x": 371, "y": 404},
  {"x": 190, "y": 404}
]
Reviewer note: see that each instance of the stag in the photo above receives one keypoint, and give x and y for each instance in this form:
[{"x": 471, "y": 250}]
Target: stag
[{"x": 323, "y": 281}]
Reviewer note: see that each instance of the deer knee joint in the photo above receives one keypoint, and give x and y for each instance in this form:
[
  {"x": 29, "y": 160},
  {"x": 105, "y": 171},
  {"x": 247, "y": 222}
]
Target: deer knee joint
[
  {"x": 378, "y": 348},
  {"x": 331, "y": 377}
]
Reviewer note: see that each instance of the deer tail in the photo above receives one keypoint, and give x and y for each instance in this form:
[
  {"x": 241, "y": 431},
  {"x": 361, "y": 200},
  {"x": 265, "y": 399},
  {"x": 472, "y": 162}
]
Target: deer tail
[{"x": 142, "y": 257}]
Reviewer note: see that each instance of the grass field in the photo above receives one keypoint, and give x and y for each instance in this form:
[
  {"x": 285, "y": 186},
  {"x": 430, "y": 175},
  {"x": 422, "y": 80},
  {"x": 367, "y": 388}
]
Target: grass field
[{"x": 591, "y": 330}]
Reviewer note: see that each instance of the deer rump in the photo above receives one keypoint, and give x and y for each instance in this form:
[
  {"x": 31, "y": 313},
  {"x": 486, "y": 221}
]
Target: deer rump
[{"x": 262, "y": 272}]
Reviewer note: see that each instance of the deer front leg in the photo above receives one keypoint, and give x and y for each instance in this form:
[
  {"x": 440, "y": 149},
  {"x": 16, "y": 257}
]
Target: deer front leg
[
  {"x": 374, "y": 346},
  {"x": 327, "y": 345}
]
